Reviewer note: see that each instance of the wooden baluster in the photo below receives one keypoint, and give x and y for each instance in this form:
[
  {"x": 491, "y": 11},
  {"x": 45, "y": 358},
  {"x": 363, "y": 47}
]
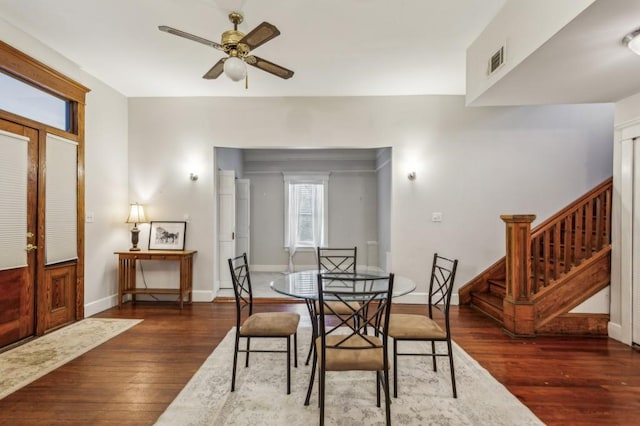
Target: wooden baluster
[
  {"x": 567, "y": 243},
  {"x": 545, "y": 257},
  {"x": 535, "y": 264},
  {"x": 556, "y": 249},
  {"x": 518, "y": 310},
  {"x": 607, "y": 214},
  {"x": 588, "y": 229},
  {"x": 578, "y": 239},
  {"x": 599, "y": 230}
]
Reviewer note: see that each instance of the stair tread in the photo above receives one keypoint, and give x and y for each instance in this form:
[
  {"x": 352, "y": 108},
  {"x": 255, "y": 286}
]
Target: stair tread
[
  {"x": 489, "y": 304},
  {"x": 489, "y": 298}
]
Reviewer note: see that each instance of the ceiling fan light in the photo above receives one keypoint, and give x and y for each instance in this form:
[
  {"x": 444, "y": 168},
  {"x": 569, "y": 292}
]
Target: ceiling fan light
[
  {"x": 235, "y": 68},
  {"x": 632, "y": 40}
]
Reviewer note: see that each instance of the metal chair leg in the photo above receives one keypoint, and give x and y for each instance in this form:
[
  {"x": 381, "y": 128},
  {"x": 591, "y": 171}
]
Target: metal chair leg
[
  {"x": 453, "y": 374},
  {"x": 246, "y": 364},
  {"x": 288, "y": 365},
  {"x": 395, "y": 368},
  {"x": 235, "y": 362},
  {"x": 321, "y": 397},
  {"x": 433, "y": 356},
  {"x": 387, "y": 397},
  {"x": 313, "y": 376},
  {"x": 295, "y": 350}
]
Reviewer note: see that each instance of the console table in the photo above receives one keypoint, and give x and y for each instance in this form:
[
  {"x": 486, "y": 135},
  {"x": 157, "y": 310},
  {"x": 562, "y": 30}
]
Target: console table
[{"x": 127, "y": 273}]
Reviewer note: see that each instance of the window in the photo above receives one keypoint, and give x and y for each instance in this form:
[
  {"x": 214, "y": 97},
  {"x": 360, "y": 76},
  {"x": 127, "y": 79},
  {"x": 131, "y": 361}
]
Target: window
[
  {"x": 305, "y": 198},
  {"x": 30, "y": 102}
]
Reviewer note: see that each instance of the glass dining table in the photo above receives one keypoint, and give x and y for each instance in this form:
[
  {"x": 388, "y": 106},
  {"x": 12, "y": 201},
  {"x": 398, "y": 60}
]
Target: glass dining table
[{"x": 304, "y": 285}]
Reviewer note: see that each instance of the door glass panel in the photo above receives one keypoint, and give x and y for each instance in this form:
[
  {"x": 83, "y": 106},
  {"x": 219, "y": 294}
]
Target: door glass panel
[
  {"x": 61, "y": 205},
  {"x": 27, "y": 101},
  {"x": 13, "y": 193}
]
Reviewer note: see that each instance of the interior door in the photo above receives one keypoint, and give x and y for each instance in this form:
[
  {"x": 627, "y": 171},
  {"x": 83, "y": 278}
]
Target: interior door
[
  {"x": 243, "y": 206},
  {"x": 18, "y": 209},
  {"x": 226, "y": 224}
]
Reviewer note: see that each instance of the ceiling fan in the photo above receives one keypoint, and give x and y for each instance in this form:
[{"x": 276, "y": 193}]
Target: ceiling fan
[{"x": 238, "y": 47}]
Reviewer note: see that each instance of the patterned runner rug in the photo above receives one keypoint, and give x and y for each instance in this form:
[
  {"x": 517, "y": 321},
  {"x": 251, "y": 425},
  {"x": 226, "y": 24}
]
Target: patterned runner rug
[
  {"x": 27, "y": 363},
  {"x": 424, "y": 396}
]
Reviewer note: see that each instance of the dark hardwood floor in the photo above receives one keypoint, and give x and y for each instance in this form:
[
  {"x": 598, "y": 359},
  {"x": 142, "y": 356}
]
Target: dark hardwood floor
[{"x": 133, "y": 377}]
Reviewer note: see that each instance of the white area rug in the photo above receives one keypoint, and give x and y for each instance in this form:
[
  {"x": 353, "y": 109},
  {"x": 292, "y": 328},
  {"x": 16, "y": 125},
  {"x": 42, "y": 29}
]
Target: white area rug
[
  {"x": 425, "y": 397},
  {"x": 29, "y": 362}
]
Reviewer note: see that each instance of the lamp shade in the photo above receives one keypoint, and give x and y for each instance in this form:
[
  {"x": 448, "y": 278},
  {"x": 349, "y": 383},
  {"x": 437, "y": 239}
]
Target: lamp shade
[
  {"x": 136, "y": 214},
  {"x": 235, "y": 68}
]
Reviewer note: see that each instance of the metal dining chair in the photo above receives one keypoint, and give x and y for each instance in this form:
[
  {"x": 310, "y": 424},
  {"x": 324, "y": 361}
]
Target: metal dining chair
[
  {"x": 346, "y": 346},
  {"x": 278, "y": 325},
  {"x": 333, "y": 260},
  {"x": 416, "y": 327}
]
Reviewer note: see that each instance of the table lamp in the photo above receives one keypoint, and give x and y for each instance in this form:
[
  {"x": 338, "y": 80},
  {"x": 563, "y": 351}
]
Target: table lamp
[{"x": 136, "y": 216}]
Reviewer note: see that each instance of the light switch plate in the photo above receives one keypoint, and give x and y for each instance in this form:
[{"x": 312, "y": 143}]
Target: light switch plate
[{"x": 89, "y": 217}]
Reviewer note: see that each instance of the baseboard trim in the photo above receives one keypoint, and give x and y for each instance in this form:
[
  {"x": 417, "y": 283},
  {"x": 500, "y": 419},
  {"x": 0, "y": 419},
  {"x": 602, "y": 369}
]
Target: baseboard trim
[
  {"x": 576, "y": 324},
  {"x": 100, "y": 305},
  {"x": 615, "y": 331}
]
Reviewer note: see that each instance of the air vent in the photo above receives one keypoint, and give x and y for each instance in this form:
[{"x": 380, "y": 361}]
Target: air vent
[{"x": 496, "y": 61}]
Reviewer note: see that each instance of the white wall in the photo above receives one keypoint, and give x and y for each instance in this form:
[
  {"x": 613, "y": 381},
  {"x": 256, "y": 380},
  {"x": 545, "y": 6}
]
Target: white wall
[
  {"x": 383, "y": 167},
  {"x": 473, "y": 164},
  {"x": 106, "y": 171},
  {"x": 230, "y": 159}
]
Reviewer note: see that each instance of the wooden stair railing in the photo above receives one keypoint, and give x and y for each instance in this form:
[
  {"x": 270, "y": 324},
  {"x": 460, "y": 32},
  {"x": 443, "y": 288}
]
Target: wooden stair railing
[{"x": 550, "y": 270}]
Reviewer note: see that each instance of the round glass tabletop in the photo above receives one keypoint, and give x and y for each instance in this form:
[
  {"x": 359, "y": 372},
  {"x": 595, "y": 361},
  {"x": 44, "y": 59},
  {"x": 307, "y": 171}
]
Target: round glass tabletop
[{"x": 304, "y": 284}]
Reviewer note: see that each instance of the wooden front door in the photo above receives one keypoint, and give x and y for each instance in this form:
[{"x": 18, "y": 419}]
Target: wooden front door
[{"x": 18, "y": 209}]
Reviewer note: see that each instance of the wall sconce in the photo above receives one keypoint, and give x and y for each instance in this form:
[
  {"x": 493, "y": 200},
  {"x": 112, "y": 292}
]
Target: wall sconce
[
  {"x": 193, "y": 177},
  {"x": 136, "y": 216},
  {"x": 411, "y": 176}
]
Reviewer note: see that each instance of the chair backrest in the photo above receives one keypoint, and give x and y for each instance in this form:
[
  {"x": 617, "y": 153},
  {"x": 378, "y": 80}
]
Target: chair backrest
[
  {"x": 241, "y": 278},
  {"x": 443, "y": 274},
  {"x": 373, "y": 295},
  {"x": 337, "y": 259}
]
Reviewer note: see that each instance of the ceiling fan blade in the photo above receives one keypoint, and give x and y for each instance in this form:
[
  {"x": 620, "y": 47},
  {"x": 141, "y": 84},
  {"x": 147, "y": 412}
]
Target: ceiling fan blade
[
  {"x": 269, "y": 67},
  {"x": 260, "y": 35},
  {"x": 188, "y": 36},
  {"x": 216, "y": 70}
]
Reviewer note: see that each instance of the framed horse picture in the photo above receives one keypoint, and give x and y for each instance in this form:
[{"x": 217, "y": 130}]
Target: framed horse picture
[{"x": 167, "y": 235}]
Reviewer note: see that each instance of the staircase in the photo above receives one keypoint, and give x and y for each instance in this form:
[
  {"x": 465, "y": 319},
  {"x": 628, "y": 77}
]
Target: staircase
[{"x": 549, "y": 270}]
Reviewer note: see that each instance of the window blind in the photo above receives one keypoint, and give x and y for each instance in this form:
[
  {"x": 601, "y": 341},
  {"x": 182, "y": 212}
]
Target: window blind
[
  {"x": 61, "y": 200},
  {"x": 14, "y": 160}
]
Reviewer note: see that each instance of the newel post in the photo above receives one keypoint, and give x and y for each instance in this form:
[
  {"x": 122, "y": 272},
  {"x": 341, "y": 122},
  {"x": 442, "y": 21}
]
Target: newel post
[{"x": 518, "y": 311}]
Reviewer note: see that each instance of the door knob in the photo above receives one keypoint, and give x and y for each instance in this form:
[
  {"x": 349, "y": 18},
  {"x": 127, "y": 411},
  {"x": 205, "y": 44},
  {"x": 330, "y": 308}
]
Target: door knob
[{"x": 31, "y": 247}]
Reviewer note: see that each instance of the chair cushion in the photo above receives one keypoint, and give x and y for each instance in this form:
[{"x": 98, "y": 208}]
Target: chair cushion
[
  {"x": 270, "y": 324},
  {"x": 351, "y": 359},
  {"x": 339, "y": 308},
  {"x": 412, "y": 326}
]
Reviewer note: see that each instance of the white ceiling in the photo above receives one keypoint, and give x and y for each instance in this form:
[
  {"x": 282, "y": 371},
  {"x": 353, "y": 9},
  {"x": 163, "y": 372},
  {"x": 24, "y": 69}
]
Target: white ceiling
[
  {"x": 335, "y": 47},
  {"x": 584, "y": 62}
]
